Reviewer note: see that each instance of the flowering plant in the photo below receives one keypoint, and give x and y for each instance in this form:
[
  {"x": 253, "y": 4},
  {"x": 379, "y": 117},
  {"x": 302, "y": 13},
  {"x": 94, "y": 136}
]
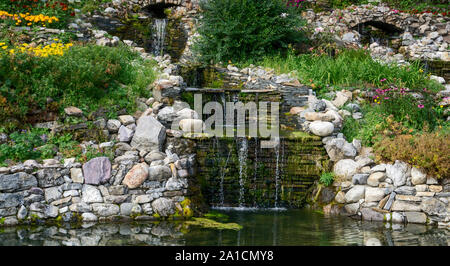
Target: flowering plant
[
  {"x": 414, "y": 108},
  {"x": 32, "y": 12}
]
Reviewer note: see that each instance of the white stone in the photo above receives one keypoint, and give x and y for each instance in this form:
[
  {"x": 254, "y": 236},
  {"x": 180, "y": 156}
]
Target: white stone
[{"x": 321, "y": 128}]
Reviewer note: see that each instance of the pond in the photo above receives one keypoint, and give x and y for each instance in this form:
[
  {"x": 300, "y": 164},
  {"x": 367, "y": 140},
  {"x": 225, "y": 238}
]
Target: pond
[{"x": 260, "y": 227}]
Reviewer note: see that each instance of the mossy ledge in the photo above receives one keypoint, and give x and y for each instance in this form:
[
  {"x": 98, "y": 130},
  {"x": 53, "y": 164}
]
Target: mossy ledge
[{"x": 208, "y": 223}]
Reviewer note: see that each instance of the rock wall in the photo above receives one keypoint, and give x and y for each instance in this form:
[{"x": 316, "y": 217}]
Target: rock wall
[{"x": 423, "y": 36}]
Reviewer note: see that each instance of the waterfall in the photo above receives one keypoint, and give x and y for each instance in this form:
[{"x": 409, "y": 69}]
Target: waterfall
[
  {"x": 159, "y": 35},
  {"x": 243, "y": 152},
  {"x": 255, "y": 172},
  {"x": 221, "y": 194},
  {"x": 277, "y": 170}
]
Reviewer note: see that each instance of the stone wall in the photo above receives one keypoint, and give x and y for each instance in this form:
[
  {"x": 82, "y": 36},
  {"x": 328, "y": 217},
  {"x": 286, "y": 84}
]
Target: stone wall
[{"x": 423, "y": 36}]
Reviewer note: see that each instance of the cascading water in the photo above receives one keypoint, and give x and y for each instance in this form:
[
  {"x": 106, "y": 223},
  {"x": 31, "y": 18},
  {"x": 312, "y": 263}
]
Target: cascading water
[
  {"x": 243, "y": 152},
  {"x": 277, "y": 171},
  {"x": 159, "y": 36}
]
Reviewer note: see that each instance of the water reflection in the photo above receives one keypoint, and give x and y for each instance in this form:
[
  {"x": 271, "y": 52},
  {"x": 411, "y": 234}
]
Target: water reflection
[{"x": 292, "y": 227}]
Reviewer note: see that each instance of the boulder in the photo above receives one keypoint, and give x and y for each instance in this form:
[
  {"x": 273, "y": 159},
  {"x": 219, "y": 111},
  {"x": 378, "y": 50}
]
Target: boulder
[
  {"x": 17, "y": 181},
  {"x": 91, "y": 194},
  {"x": 400, "y": 205},
  {"x": 159, "y": 173},
  {"x": 126, "y": 119},
  {"x": 345, "y": 168},
  {"x": 360, "y": 179},
  {"x": 77, "y": 175},
  {"x": 320, "y": 128},
  {"x": 355, "y": 194},
  {"x": 73, "y": 111},
  {"x": 125, "y": 134},
  {"x": 163, "y": 206},
  {"x": 369, "y": 214},
  {"x": 340, "y": 197},
  {"x": 113, "y": 125},
  {"x": 89, "y": 217},
  {"x": 416, "y": 217},
  {"x": 376, "y": 178},
  {"x": 418, "y": 177},
  {"x": 136, "y": 176},
  {"x": 52, "y": 194},
  {"x": 339, "y": 148},
  {"x": 97, "y": 171},
  {"x": 433, "y": 206},
  {"x": 397, "y": 173},
  {"x": 352, "y": 208},
  {"x": 192, "y": 125},
  {"x": 149, "y": 135},
  {"x": 105, "y": 209},
  {"x": 374, "y": 194},
  {"x": 342, "y": 97}
]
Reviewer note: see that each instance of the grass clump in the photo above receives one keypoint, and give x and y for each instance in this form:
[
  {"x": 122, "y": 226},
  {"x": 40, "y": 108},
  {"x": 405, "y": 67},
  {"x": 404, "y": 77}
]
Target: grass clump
[{"x": 326, "y": 178}]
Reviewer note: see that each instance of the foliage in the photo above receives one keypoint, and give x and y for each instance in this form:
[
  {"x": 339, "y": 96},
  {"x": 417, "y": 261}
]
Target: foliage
[
  {"x": 241, "y": 29},
  {"x": 92, "y": 153},
  {"x": 35, "y": 144},
  {"x": 85, "y": 76},
  {"x": 348, "y": 68},
  {"x": 326, "y": 178},
  {"x": 43, "y": 13},
  {"x": 427, "y": 150}
]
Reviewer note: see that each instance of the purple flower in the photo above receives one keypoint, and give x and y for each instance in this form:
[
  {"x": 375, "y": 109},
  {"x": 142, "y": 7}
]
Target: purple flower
[{"x": 421, "y": 106}]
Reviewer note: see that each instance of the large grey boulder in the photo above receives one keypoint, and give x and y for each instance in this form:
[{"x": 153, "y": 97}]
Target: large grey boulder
[
  {"x": 339, "y": 149},
  {"x": 91, "y": 194},
  {"x": 159, "y": 173},
  {"x": 345, "y": 168},
  {"x": 355, "y": 194},
  {"x": 52, "y": 194},
  {"x": 105, "y": 209},
  {"x": 374, "y": 194},
  {"x": 369, "y": 214},
  {"x": 397, "y": 172},
  {"x": 17, "y": 181},
  {"x": 97, "y": 171},
  {"x": 149, "y": 135},
  {"x": 163, "y": 206},
  {"x": 125, "y": 134},
  {"x": 8, "y": 200},
  {"x": 418, "y": 177}
]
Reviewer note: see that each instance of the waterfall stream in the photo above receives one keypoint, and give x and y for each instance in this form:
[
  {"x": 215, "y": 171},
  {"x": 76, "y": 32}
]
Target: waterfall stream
[
  {"x": 277, "y": 171},
  {"x": 159, "y": 35},
  {"x": 243, "y": 152}
]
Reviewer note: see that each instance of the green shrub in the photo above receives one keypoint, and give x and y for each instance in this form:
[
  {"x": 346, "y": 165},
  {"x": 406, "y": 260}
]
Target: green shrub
[
  {"x": 88, "y": 77},
  {"x": 242, "y": 29},
  {"x": 326, "y": 178},
  {"x": 427, "y": 150},
  {"x": 35, "y": 144}
]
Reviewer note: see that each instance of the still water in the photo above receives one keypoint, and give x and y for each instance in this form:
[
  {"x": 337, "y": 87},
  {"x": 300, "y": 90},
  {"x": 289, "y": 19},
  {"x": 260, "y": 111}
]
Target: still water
[{"x": 261, "y": 227}]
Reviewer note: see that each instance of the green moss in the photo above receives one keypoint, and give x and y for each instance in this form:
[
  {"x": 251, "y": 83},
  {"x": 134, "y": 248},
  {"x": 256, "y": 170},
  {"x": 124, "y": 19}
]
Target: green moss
[
  {"x": 157, "y": 216},
  {"x": 2, "y": 220},
  {"x": 208, "y": 223}
]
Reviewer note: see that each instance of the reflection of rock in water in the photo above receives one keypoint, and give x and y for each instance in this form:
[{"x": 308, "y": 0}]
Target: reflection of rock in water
[{"x": 161, "y": 234}]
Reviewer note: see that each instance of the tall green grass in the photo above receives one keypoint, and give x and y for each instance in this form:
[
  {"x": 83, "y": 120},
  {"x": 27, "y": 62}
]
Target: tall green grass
[{"x": 350, "y": 68}]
